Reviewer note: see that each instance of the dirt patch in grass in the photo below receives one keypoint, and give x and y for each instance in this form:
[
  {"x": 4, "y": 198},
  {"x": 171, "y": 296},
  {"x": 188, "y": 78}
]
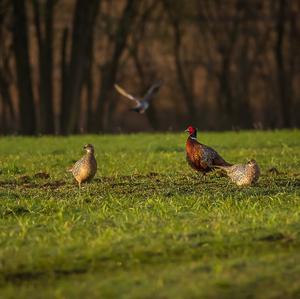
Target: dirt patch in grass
[
  {"x": 54, "y": 184},
  {"x": 28, "y": 183},
  {"x": 22, "y": 277},
  {"x": 42, "y": 175},
  {"x": 277, "y": 237},
  {"x": 17, "y": 211}
]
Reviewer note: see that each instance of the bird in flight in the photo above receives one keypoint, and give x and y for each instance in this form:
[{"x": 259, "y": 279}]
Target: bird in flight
[{"x": 141, "y": 104}]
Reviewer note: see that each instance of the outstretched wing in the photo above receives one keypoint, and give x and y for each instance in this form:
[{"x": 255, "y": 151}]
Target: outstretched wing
[
  {"x": 152, "y": 90},
  {"x": 126, "y": 94}
]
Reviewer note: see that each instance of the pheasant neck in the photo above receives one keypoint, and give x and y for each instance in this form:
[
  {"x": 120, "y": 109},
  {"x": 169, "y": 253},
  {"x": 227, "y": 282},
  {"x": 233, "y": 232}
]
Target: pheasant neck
[{"x": 193, "y": 135}]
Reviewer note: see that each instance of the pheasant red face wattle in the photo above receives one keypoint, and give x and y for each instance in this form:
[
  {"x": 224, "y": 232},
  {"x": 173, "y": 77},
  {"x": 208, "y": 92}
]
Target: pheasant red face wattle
[{"x": 192, "y": 131}]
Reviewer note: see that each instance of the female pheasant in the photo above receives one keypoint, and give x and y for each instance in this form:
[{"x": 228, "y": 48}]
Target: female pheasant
[
  {"x": 243, "y": 174},
  {"x": 85, "y": 168},
  {"x": 199, "y": 156}
]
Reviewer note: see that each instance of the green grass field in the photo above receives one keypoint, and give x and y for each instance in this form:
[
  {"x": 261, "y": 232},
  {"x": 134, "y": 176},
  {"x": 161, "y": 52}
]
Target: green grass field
[{"x": 148, "y": 226}]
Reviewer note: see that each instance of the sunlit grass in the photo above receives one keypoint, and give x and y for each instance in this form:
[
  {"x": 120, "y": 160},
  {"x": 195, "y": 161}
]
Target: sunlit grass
[{"x": 148, "y": 226}]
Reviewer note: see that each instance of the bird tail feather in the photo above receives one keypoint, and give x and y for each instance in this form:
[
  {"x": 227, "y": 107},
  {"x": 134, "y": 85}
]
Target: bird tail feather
[{"x": 222, "y": 167}]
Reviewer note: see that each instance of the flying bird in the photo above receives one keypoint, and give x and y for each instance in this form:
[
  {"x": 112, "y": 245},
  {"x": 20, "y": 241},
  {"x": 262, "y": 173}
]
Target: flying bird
[
  {"x": 85, "y": 168},
  {"x": 141, "y": 104},
  {"x": 243, "y": 174},
  {"x": 200, "y": 156}
]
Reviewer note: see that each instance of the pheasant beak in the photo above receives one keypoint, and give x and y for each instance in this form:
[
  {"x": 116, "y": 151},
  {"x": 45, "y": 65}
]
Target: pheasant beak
[{"x": 187, "y": 130}]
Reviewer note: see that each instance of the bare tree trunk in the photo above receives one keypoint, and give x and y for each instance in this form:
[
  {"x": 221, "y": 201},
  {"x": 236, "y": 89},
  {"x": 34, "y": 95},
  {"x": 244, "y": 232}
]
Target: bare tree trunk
[
  {"x": 148, "y": 77},
  {"x": 294, "y": 64},
  {"x": 45, "y": 64},
  {"x": 284, "y": 96},
  {"x": 241, "y": 110},
  {"x": 151, "y": 111},
  {"x": 63, "y": 73},
  {"x": 225, "y": 97},
  {"x": 83, "y": 25},
  {"x": 90, "y": 87},
  {"x": 182, "y": 81},
  {"x": 111, "y": 67},
  {"x": 247, "y": 66},
  {"x": 6, "y": 102},
  {"x": 24, "y": 83},
  {"x": 8, "y": 113}
]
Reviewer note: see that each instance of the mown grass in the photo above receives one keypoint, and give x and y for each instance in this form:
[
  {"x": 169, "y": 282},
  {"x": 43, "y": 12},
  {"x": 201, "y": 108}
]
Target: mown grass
[{"x": 148, "y": 226}]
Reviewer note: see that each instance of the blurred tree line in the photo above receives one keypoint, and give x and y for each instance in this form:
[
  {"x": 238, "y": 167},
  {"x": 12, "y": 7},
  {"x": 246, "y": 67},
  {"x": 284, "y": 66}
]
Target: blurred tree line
[{"x": 225, "y": 64}]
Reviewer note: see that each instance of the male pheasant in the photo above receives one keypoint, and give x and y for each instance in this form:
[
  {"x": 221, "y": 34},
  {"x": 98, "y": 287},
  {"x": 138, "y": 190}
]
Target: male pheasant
[
  {"x": 200, "y": 156},
  {"x": 243, "y": 174},
  {"x": 85, "y": 168},
  {"x": 141, "y": 105}
]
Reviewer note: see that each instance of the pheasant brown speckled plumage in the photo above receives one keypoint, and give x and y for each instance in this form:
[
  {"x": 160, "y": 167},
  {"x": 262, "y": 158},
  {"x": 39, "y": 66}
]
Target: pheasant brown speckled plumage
[
  {"x": 200, "y": 156},
  {"x": 243, "y": 174},
  {"x": 85, "y": 168}
]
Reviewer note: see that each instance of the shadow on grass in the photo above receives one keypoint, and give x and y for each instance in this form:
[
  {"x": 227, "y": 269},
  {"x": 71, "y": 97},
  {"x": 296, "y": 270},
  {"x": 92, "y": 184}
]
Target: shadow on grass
[
  {"x": 27, "y": 276},
  {"x": 275, "y": 237},
  {"x": 18, "y": 211},
  {"x": 153, "y": 183}
]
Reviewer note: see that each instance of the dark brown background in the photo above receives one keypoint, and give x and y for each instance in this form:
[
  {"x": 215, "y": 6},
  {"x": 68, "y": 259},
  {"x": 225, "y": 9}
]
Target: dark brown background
[{"x": 226, "y": 64}]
